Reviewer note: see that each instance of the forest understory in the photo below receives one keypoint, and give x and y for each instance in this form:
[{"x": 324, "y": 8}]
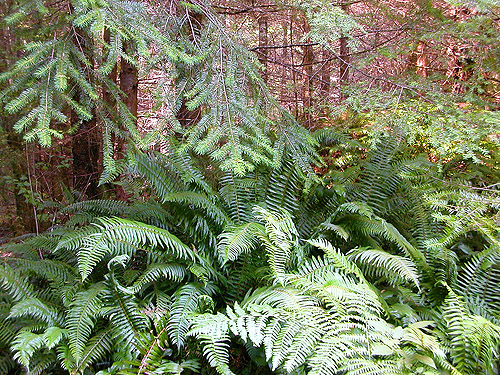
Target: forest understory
[{"x": 249, "y": 187}]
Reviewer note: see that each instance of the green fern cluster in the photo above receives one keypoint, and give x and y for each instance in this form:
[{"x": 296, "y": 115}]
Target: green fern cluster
[
  {"x": 113, "y": 265},
  {"x": 236, "y": 253},
  {"x": 207, "y": 269},
  {"x": 324, "y": 317}
]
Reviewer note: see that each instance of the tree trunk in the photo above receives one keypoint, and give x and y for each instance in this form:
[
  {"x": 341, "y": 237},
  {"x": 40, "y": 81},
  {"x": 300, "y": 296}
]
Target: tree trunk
[
  {"x": 344, "y": 63},
  {"x": 24, "y": 220},
  {"x": 308, "y": 60},
  {"x": 421, "y": 60},
  {"x": 284, "y": 94},
  {"x": 129, "y": 84},
  {"x": 325, "y": 76},
  {"x": 86, "y": 145},
  {"x": 294, "y": 74},
  {"x": 106, "y": 96},
  {"x": 118, "y": 141},
  {"x": 86, "y": 148},
  {"x": 344, "y": 67},
  {"x": 263, "y": 43}
]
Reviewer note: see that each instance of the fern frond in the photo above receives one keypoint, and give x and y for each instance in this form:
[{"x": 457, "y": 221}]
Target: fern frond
[
  {"x": 238, "y": 240},
  {"x": 338, "y": 291},
  {"x": 315, "y": 207},
  {"x": 415, "y": 335},
  {"x": 378, "y": 226},
  {"x": 8, "y": 328},
  {"x": 157, "y": 172},
  {"x": 151, "y": 347},
  {"x": 41, "y": 362},
  {"x": 328, "y": 136},
  {"x": 170, "y": 173},
  {"x": 125, "y": 317},
  {"x": 25, "y": 345},
  {"x": 16, "y": 285},
  {"x": 29, "y": 248},
  {"x": 283, "y": 188},
  {"x": 127, "y": 232},
  {"x": 239, "y": 195},
  {"x": 120, "y": 236},
  {"x": 58, "y": 272},
  {"x": 7, "y": 363},
  {"x": 379, "y": 263},
  {"x": 53, "y": 336},
  {"x": 213, "y": 333},
  {"x": 85, "y": 308},
  {"x": 474, "y": 339},
  {"x": 156, "y": 272},
  {"x": 34, "y": 308},
  {"x": 185, "y": 302},
  {"x": 359, "y": 366},
  {"x": 298, "y": 335},
  {"x": 200, "y": 201},
  {"x": 463, "y": 211},
  {"x": 90, "y": 245},
  {"x": 302, "y": 347},
  {"x": 340, "y": 260},
  {"x": 280, "y": 239},
  {"x": 379, "y": 178},
  {"x": 480, "y": 278},
  {"x": 286, "y": 298},
  {"x": 97, "y": 348},
  {"x": 97, "y": 208},
  {"x": 152, "y": 213}
]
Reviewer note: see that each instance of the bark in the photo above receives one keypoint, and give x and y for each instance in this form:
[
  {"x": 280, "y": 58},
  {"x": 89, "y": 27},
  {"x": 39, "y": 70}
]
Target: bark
[
  {"x": 344, "y": 62},
  {"x": 325, "y": 76},
  {"x": 129, "y": 84},
  {"x": 25, "y": 218},
  {"x": 188, "y": 117},
  {"x": 344, "y": 67},
  {"x": 86, "y": 144},
  {"x": 294, "y": 74},
  {"x": 107, "y": 97},
  {"x": 460, "y": 67},
  {"x": 85, "y": 150},
  {"x": 284, "y": 72},
  {"x": 263, "y": 42},
  {"x": 119, "y": 142},
  {"x": 421, "y": 60},
  {"x": 308, "y": 60}
]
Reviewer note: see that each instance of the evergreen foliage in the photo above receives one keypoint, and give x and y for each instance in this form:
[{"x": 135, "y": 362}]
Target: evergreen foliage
[
  {"x": 213, "y": 269},
  {"x": 387, "y": 263}
]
